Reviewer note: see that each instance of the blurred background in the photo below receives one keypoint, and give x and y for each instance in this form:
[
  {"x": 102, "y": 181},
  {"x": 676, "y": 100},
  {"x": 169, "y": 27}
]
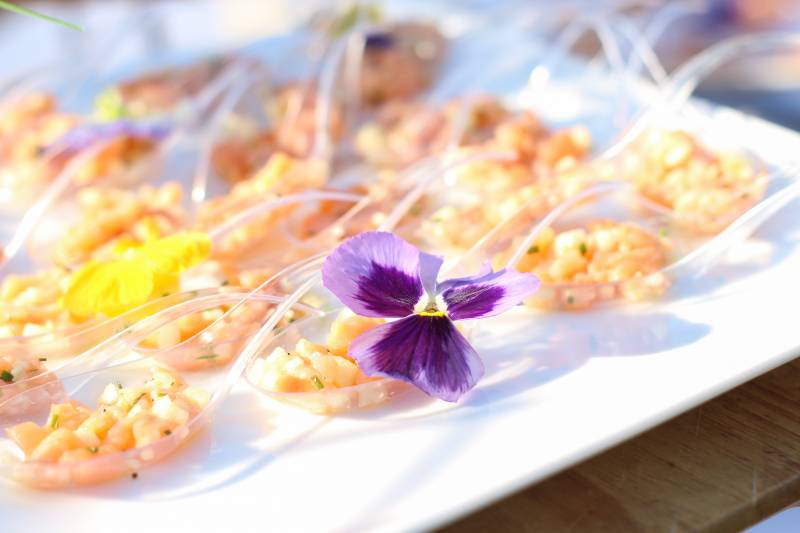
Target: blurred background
[{"x": 677, "y": 29}]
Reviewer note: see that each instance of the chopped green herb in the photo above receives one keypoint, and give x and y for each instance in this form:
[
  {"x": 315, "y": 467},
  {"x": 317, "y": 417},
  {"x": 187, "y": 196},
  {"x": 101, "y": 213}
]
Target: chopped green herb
[
  {"x": 54, "y": 421},
  {"x": 209, "y": 356},
  {"x": 137, "y": 399},
  {"x": 225, "y": 283},
  {"x": 533, "y": 249},
  {"x": 6, "y": 376},
  {"x": 119, "y": 385},
  {"x": 43, "y": 359},
  {"x": 93, "y": 449},
  {"x": 317, "y": 382},
  {"x": 570, "y": 299},
  {"x": 165, "y": 294},
  {"x": 584, "y": 248},
  {"x": 662, "y": 232}
]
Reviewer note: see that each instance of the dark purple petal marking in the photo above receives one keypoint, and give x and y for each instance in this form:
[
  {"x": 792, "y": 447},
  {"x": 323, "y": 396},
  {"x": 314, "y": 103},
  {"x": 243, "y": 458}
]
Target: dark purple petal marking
[
  {"x": 379, "y": 40},
  {"x": 388, "y": 292},
  {"x": 428, "y": 352},
  {"x": 488, "y": 295},
  {"x": 375, "y": 274}
]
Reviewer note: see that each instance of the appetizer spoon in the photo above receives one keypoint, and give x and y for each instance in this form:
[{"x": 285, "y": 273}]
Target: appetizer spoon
[
  {"x": 324, "y": 400},
  {"x": 114, "y": 337},
  {"x": 293, "y": 275},
  {"x": 685, "y": 253},
  {"x": 105, "y": 371},
  {"x": 142, "y": 170}
]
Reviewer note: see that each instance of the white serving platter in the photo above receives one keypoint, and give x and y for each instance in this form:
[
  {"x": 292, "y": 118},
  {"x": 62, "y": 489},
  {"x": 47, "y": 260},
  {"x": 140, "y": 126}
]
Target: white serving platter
[{"x": 559, "y": 388}]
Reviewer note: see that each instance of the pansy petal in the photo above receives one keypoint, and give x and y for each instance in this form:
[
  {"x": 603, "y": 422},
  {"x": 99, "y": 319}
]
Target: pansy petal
[
  {"x": 429, "y": 267},
  {"x": 109, "y": 288},
  {"x": 488, "y": 295},
  {"x": 428, "y": 352},
  {"x": 86, "y": 135},
  {"x": 486, "y": 269},
  {"x": 176, "y": 253},
  {"x": 375, "y": 274}
]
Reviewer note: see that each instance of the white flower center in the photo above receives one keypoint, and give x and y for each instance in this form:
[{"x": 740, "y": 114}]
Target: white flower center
[{"x": 427, "y": 306}]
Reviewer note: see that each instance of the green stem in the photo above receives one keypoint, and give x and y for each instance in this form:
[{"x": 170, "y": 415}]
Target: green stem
[{"x": 31, "y": 13}]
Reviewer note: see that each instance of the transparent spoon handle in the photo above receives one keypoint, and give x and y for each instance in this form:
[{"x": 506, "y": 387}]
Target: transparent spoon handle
[
  {"x": 701, "y": 259},
  {"x": 262, "y": 208}
]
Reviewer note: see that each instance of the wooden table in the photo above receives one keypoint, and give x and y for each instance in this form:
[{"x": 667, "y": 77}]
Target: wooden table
[{"x": 720, "y": 467}]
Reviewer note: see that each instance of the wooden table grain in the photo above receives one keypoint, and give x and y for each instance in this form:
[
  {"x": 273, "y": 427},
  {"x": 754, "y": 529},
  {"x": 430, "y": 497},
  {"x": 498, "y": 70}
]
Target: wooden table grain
[{"x": 723, "y": 466}]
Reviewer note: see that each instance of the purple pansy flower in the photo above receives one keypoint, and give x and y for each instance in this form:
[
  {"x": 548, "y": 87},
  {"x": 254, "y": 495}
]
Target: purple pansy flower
[
  {"x": 85, "y": 135},
  {"x": 378, "y": 274}
]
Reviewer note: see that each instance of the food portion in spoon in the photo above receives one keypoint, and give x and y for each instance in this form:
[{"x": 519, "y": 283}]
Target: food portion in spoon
[
  {"x": 111, "y": 218},
  {"x": 293, "y": 119},
  {"x": 601, "y": 261},
  {"x": 311, "y": 367},
  {"x": 126, "y": 418},
  {"x": 707, "y": 190},
  {"x": 400, "y": 61},
  {"x": 156, "y": 93}
]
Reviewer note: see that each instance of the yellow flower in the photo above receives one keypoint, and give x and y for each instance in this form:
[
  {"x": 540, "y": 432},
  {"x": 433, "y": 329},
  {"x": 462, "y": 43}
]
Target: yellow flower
[{"x": 137, "y": 276}]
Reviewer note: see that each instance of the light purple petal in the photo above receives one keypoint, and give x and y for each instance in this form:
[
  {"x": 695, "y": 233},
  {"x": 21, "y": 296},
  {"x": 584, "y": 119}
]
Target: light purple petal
[
  {"x": 428, "y": 352},
  {"x": 429, "y": 266},
  {"x": 486, "y": 269},
  {"x": 86, "y": 135},
  {"x": 375, "y": 274},
  {"x": 488, "y": 295}
]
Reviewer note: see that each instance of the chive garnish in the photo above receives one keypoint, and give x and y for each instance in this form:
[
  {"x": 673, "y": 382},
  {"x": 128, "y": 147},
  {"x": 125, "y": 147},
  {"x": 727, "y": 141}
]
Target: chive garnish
[
  {"x": 31, "y": 13},
  {"x": 533, "y": 249},
  {"x": 225, "y": 283},
  {"x": 54, "y": 421},
  {"x": 317, "y": 382},
  {"x": 209, "y": 356},
  {"x": 43, "y": 359},
  {"x": 570, "y": 299},
  {"x": 6, "y": 376},
  {"x": 137, "y": 399},
  {"x": 584, "y": 248},
  {"x": 93, "y": 449}
]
